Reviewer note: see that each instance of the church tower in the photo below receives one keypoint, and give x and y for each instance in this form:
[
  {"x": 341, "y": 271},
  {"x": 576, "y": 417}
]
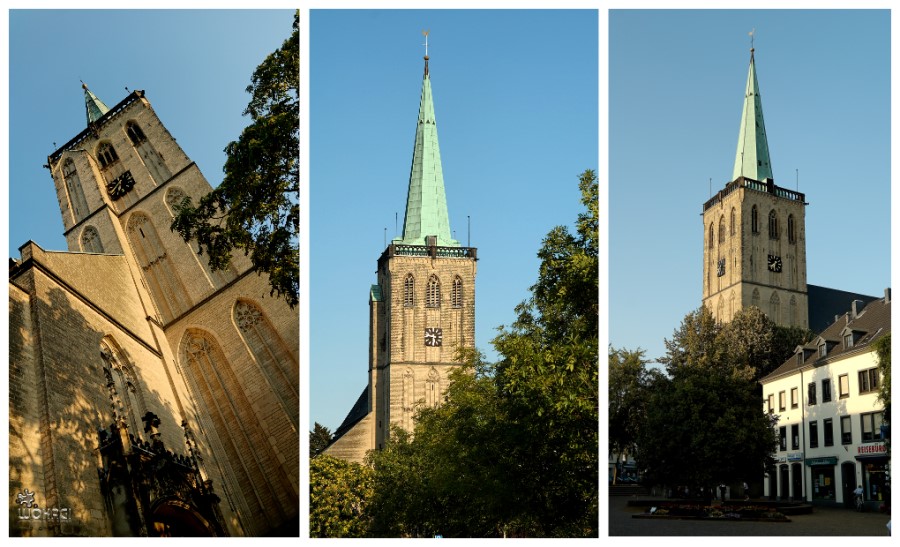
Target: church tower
[
  {"x": 754, "y": 246},
  {"x": 217, "y": 344},
  {"x": 422, "y": 308}
]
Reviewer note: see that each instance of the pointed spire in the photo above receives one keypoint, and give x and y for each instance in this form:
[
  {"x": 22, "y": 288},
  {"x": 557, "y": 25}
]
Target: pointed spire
[
  {"x": 426, "y": 202},
  {"x": 752, "y": 158},
  {"x": 95, "y": 107}
]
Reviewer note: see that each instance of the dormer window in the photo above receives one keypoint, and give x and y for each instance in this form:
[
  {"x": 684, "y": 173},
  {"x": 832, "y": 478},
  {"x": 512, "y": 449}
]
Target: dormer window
[
  {"x": 848, "y": 340},
  {"x": 823, "y": 349}
]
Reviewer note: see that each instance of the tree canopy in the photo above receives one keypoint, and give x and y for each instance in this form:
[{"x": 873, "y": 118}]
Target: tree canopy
[
  {"x": 255, "y": 208},
  {"x": 338, "y": 494},
  {"x": 319, "y": 439}
]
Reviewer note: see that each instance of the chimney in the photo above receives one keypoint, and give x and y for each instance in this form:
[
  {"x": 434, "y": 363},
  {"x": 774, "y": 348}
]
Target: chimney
[
  {"x": 887, "y": 295},
  {"x": 855, "y": 308}
]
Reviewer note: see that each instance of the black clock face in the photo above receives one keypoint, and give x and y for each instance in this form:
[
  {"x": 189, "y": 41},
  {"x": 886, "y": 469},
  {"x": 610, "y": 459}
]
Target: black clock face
[
  {"x": 720, "y": 267},
  {"x": 774, "y": 263},
  {"x": 434, "y": 337},
  {"x": 120, "y": 185}
]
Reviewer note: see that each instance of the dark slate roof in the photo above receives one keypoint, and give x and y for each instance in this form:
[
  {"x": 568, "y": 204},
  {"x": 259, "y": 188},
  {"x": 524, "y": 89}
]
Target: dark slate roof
[
  {"x": 358, "y": 412},
  {"x": 825, "y": 304},
  {"x": 870, "y": 324}
]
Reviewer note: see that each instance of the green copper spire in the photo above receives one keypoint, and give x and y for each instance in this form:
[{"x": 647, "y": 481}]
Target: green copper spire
[
  {"x": 426, "y": 202},
  {"x": 95, "y": 107},
  {"x": 752, "y": 158}
]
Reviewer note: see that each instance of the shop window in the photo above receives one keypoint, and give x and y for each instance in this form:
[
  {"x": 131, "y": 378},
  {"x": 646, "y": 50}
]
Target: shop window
[
  {"x": 782, "y": 436},
  {"x": 871, "y": 426},
  {"x": 826, "y": 390},
  {"x": 823, "y": 482},
  {"x": 782, "y": 401},
  {"x": 828, "y": 426},
  {"x": 875, "y": 479},
  {"x": 811, "y": 395},
  {"x": 846, "y": 431},
  {"x": 794, "y": 397},
  {"x": 814, "y": 434},
  {"x": 795, "y": 437},
  {"x": 868, "y": 380},
  {"x": 844, "y": 386}
]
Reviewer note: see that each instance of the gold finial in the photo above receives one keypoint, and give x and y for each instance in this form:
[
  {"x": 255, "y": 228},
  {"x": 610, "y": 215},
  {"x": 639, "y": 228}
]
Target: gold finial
[
  {"x": 83, "y": 85},
  {"x": 751, "y": 38}
]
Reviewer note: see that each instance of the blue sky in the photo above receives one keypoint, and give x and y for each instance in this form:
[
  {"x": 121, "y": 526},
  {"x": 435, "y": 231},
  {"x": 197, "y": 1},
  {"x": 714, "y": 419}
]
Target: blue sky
[
  {"x": 516, "y": 99},
  {"x": 188, "y": 62},
  {"x": 676, "y": 81}
]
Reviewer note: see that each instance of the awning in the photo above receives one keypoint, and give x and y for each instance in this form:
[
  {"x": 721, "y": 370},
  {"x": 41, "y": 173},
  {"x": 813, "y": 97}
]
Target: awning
[{"x": 864, "y": 457}]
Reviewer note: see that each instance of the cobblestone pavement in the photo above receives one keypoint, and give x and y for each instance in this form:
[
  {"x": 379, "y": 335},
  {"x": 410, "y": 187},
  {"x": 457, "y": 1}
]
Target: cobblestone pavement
[{"x": 823, "y": 521}]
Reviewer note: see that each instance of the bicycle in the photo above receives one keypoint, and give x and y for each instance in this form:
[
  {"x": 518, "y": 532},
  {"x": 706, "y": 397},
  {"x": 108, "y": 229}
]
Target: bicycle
[{"x": 860, "y": 504}]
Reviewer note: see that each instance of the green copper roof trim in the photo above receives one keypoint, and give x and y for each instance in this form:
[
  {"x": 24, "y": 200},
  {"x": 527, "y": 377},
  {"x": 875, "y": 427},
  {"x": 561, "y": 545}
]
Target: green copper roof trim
[
  {"x": 426, "y": 201},
  {"x": 375, "y": 294},
  {"x": 94, "y": 106},
  {"x": 752, "y": 158}
]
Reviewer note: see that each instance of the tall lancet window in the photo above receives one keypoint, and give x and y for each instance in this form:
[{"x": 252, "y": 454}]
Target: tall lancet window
[
  {"x": 732, "y": 221},
  {"x": 154, "y": 163},
  {"x": 174, "y": 197},
  {"x": 433, "y": 389},
  {"x": 90, "y": 240},
  {"x": 279, "y": 368},
  {"x": 237, "y": 433},
  {"x": 754, "y": 220},
  {"x": 125, "y": 396},
  {"x": 722, "y": 229},
  {"x": 456, "y": 296},
  {"x": 433, "y": 293},
  {"x": 775, "y": 306},
  {"x": 107, "y": 156},
  {"x": 409, "y": 291},
  {"x": 165, "y": 285},
  {"x": 773, "y": 224},
  {"x": 73, "y": 187}
]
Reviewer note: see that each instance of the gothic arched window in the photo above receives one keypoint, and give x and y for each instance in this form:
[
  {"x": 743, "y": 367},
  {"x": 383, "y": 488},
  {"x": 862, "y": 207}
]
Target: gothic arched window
[
  {"x": 274, "y": 359},
  {"x": 712, "y": 236},
  {"x": 733, "y": 216},
  {"x": 125, "y": 397},
  {"x": 433, "y": 293},
  {"x": 754, "y": 299},
  {"x": 135, "y": 133},
  {"x": 722, "y": 229},
  {"x": 775, "y": 306},
  {"x": 792, "y": 236},
  {"x": 456, "y": 295},
  {"x": 754, "y": 220},
  {"x": 174, "y": 197},
  {"x": 107, "y": 155},
  {"x": 73, "y": 188},
  {"x": 433, "y": 389},
  {"x": 793, "y": 312},
  {"x": 90, "y": 240},
  {"x": 165, "y": 285},
  {"x": 773, "y": 224},
  {"x": 409, "y": 291}
]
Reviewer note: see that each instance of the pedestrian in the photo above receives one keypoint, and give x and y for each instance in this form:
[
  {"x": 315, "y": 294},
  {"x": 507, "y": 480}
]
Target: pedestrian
[
  {"x": 746, "y": 491},
  {"x": 722, "y": 491}
]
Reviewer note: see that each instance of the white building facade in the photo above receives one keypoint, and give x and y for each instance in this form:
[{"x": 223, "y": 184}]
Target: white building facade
[{"x": 829, "y": 419}]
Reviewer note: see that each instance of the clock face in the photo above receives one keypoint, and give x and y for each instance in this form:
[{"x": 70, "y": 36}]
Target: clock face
[
  {"x": 120, "y": 185},
  {"x": 720, "y": 267},
  {"x": 434, "y": 337},
  {"x": 774, "y": 263}
]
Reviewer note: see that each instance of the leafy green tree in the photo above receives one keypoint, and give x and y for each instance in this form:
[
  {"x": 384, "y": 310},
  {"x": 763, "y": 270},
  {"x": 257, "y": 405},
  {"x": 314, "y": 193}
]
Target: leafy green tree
[
  {"x": 319, "y": 439},
  {"x": 629, "y": 381},
  {"x": 704, "y": 423},
  {"x": 255, "y": 208},
  {"x": 338, "y": 495}
]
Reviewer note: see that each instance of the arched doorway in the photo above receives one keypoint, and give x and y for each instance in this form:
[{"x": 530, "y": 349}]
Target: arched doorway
[{"x": 174, "y": 518}]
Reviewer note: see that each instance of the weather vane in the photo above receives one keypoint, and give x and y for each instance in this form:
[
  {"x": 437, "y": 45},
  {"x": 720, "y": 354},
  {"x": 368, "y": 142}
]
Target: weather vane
[
  {"x": 751, "y": 38},
  {"x": 425, "y": 33}
]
